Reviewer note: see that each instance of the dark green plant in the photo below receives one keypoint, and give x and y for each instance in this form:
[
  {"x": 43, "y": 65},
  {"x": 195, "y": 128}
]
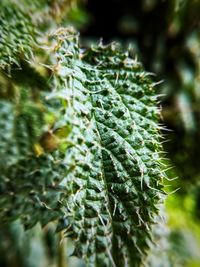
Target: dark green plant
[
  {"x": 166, "y": 37},
  {"x": 82, "y": 146}
]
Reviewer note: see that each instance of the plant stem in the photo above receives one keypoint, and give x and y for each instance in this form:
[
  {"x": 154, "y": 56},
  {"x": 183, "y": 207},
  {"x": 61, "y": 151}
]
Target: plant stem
[{"x": 61, "y": 251}]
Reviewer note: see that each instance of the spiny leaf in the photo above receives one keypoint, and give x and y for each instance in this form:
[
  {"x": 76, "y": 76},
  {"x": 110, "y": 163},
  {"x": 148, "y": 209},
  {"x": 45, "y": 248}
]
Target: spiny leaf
[
  {"x": 107, "y": 183},
  {"x": 20, "y": 22},
  {"x": 17, "y": 34},
  {"x": 29, "y": 185},
  {"x": 114, "y": 177}
]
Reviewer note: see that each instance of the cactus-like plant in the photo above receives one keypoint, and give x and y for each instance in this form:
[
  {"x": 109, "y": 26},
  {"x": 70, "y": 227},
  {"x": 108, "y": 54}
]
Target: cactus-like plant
[{"x": 84, "y": 153}]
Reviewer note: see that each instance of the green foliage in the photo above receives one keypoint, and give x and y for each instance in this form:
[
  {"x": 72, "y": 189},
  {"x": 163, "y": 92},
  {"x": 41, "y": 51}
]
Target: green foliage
[
  {"x": 17, "y": 34},
  {"x": 110, "y": 105},
  {"x": 114, "y": 185},
  {"x": 83, "y": 149},
  {"x": 166, "y": 37},
  {"x": 20, "y": 25},
  {"x": 28, "y": 182}
]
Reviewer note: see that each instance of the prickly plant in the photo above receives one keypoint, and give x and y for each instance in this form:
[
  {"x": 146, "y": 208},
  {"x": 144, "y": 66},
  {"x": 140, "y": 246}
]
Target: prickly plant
[{"x": 83, "y": 149}]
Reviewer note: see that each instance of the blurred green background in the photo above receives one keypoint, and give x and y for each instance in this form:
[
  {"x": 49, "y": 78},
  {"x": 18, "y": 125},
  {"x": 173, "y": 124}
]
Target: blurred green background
[{"x": 165, "y": 36}]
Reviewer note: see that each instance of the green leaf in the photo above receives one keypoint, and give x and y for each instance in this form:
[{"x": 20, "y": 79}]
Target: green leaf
[
  {"x": 29, "y": 185},
  {"x": 114, "y": 180},
  {"x": 96, "y": 169},
  {"x": 17, "y": 34}
]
